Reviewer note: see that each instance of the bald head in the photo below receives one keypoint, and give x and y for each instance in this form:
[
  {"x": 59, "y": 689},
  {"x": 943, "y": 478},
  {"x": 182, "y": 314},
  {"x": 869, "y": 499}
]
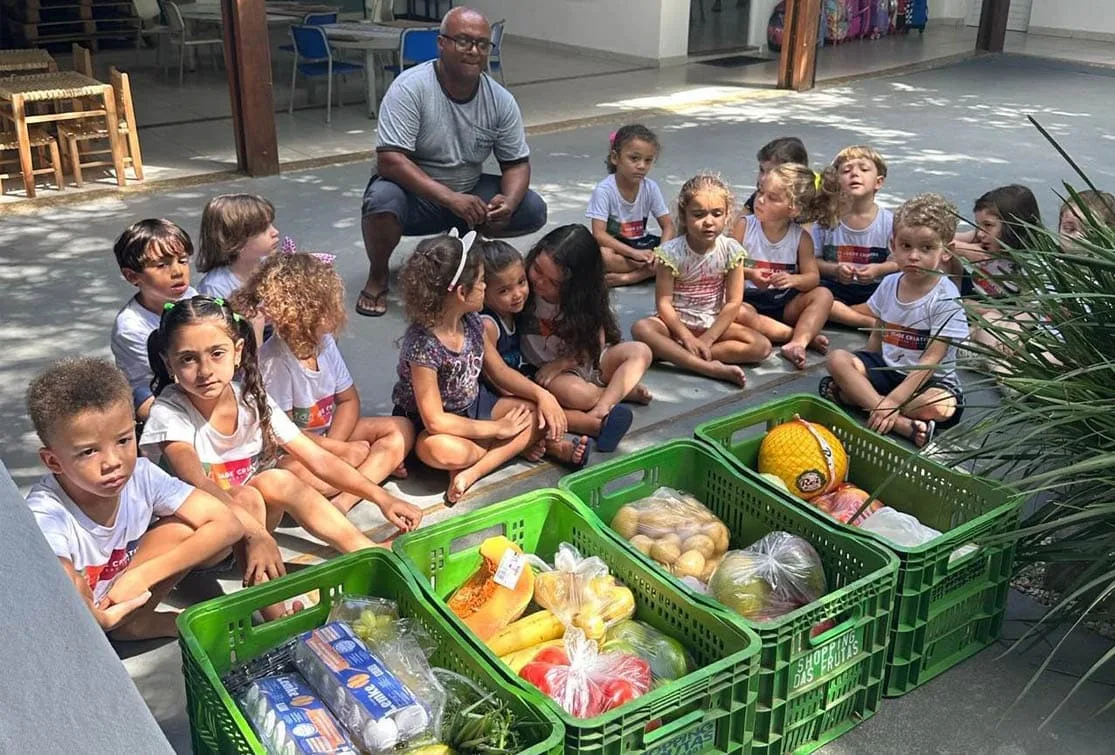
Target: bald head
[{"x": 459, "y": 19}]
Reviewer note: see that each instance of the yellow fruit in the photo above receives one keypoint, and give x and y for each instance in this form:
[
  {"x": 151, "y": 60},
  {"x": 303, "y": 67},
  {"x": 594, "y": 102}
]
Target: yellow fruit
[
  {"x": 665, "y": 552},
  {"x": 592, "y": 624},
  {"x": 626, "y": 522},
  {"x": 689, "y": 564},
  {"x": 804, "y": 455},
  {"x": 619, "y": 604},
  {"x": 703, "y": 544},
  {"x": 643, "y": 544},
  {"x": 526, "y": 632},
  {"x": 515, "y": 661}
]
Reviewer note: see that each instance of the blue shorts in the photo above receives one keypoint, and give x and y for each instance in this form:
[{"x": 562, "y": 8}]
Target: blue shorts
[
  {"x": 421, "y": 217},
  {"x": 885, "y": 379},
  {"x": 480, "y": 408},
  {"x": 768, "y": 304},
  {"x": 849, "y": 293}
]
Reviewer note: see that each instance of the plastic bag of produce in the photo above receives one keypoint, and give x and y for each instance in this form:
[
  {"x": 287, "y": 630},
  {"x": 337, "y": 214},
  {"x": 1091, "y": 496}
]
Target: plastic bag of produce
[
  {"x": 582, "y": 593},
  {"x": 907, "y": 530},
  {"x": 843, "y": 503},
  {"x": 584, "y": 681},
  {"x": 667, "y": 657},
  {"x": 676, "y": 530},
  {"x": 769, "y": 578}
]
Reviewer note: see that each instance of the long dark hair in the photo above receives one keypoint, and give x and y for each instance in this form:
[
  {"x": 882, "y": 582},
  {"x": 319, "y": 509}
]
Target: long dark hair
[
  {"x": 584, "y": 307},
  {"x": 1016, "y": 206},
  {"x": 205, "y": 308}
]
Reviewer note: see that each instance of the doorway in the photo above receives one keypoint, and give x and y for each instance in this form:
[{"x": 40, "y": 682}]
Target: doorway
[{"x": 717, "y": 26}]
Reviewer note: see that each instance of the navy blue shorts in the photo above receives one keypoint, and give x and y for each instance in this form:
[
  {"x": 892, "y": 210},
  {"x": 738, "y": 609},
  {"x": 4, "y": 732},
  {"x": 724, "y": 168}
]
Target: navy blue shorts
[
  {"x": 885, "y": 379},
  {"x": 849, "y": 293},
  {"x": 481, "y": 408},
  {"x": 769, "y": 305},
  {"x": 421, "y": 217}
]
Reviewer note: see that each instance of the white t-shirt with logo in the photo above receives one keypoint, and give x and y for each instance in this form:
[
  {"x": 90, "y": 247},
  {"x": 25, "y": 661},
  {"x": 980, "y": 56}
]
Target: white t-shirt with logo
[
  {"x": 101, "y": 553},
  {"x": 908, "y": 327},
  {"x": 134, "y": 324},
  {"x": 776, "y": 256},
  {"x": 309, "y": 396},
  {"x": 219, "y": 282},
  {"x": 864, "y": 246},
  {"x": 626, "y": 220},
  {"x": 227, "y": 459}
]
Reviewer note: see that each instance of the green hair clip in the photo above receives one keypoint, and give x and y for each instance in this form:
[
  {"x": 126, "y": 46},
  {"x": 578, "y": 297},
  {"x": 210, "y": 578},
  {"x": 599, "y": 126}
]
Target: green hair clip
[{"x": 169, "y": 306}]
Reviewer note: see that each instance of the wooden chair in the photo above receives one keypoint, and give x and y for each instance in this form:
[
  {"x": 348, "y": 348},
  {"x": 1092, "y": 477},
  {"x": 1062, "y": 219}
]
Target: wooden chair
[
  {"x": 72, "y": 133},
  {"x": 41, "y": 141},
  {"x": 83, "y": 60}
]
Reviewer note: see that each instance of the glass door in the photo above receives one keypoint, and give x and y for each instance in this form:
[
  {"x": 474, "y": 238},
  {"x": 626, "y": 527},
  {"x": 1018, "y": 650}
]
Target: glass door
[{"x": 718, "y": 25}]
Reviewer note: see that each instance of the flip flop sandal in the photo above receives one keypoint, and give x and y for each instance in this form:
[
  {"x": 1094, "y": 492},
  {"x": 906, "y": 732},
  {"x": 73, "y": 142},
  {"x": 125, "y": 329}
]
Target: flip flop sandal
[
  {"x": 613, "y": 428},
  {"x": 930, "y": 427},
  {"x": 830, "y": 391},
  {"x": 379, "y": 303},
  {"x": 577, "y": 443}
]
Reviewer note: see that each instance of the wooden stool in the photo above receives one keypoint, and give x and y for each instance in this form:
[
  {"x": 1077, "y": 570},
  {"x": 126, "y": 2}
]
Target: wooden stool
[
  {"x": 40, "y": 139},
  {"x": 71, "y": 133}
]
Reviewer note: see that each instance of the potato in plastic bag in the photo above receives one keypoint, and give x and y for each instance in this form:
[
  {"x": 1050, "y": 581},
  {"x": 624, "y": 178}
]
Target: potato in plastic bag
[
  {"x": 676, "y": 530},
  {"x": 582, "y": 593},
  {"x": 769, "y": 578}
]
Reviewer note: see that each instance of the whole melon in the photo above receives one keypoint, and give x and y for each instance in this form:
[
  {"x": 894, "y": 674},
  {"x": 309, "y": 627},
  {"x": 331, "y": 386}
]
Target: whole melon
[{"x": 806, "y": 456}]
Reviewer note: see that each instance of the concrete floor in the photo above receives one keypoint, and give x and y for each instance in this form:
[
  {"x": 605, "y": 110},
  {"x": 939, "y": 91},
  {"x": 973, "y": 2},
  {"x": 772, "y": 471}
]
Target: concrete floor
[
  {"x": 187, "y": 132},
  {"x": 958, "y": 130}
]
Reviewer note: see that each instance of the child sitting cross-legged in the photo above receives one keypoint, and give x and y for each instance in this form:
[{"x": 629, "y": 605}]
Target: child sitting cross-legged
[
  {"x": 304, "y": 372},
  {"x": 123, "y": 530},
  {"x": 906, "y": 377}
]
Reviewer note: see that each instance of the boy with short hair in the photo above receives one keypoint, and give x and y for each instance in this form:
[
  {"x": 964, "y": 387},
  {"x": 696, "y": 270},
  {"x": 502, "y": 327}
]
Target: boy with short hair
[
  {"x": 854, "y": 256},
  {"x": 784, "y": 149},
  {"x": 154, "y": 256},
  {"x": 95, "y": 509},
  {"x": 906, "y": 378}
]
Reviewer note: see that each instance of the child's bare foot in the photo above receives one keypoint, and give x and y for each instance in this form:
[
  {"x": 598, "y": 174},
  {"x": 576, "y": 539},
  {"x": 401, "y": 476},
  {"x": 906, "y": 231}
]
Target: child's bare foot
[
  {"x": 148, "y": 626},
  {"x": 572, "y": 450},
  {"x": 919, "y": 432},
  {"x": 344, "y": 502},
  {"x": 820, "y": 344},
  {"x": 794, "y": 354},
  {"x": 459, "y": 483},
  {"x": 279, "y": 610},
  {"x": 731, "y": 373},
  {"x": 400, "y": 472},
  {"x": 535, "y": 452},
  {"x": 640, "y": 394}
]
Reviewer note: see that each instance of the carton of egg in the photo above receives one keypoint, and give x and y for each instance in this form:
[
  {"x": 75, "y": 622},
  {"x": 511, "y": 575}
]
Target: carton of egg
[
  {"x": 290, "y": 719},
  {"x": 376, "y": 709}
]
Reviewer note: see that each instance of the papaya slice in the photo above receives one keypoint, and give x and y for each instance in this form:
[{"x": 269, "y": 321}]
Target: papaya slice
[{"x": 485, "y": 606}]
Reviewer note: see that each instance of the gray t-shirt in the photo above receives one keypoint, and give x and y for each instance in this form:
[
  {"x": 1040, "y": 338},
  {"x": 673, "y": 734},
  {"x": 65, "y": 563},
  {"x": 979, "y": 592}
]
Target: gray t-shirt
[{"x": 447, "y": 139}]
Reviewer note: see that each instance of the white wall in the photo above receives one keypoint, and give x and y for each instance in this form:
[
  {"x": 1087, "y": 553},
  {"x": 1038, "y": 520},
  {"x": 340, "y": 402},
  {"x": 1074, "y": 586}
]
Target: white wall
[
  {"x": 1088, "y": 16},
  {"x": 622, "y": 27},
  {"x": 948, "y": 8},
  {"x": 674, "y": 30}
]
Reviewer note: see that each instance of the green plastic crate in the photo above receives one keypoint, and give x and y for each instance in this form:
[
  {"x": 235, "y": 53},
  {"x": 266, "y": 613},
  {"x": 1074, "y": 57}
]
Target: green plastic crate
[
  {"x": 219, "y": 633},
  {"x": 811, "y": 689},
  {"x": 944, "y": 612},
  {"x": 711, "y": 710}
]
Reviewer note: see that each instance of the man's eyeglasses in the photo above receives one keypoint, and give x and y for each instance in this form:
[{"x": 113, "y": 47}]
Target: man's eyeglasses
[{"x": 464, "y": 44}]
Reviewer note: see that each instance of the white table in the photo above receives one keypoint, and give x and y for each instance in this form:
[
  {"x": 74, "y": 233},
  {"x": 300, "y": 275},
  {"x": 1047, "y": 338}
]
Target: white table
[
  {"x": 378, "y": 41},
  {"x": 211, "y": 13}
]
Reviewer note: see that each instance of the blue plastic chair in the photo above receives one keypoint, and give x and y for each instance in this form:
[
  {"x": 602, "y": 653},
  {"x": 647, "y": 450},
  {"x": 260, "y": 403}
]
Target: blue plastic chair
[
  {"x": 313, "y": 19},
  {"x": 314, "y": 59},
  {"x": 415, "y": 46},
  {"x": 495, "y": 57}
]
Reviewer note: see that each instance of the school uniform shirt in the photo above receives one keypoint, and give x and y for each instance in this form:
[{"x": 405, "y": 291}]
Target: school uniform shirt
[
  {"x": 540, "y": 342},
  {"x": 227, "y": 459},
  {"x": 308, "y": 396},
  {"x": 508, "y": 341},
  {"x": 776, "y": 256},
  {"x": 909, "y": 326},
  {"x": 130, "y": 331},
  {"x": 219, "y": 282},
  {"x": 100, "y": 553},
  {"x": 867, "y": 246},
  {"x": 625, "y": 220}
]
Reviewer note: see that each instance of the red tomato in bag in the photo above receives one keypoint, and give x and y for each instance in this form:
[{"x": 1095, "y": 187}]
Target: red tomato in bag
[
  {"x": 552, "y": 655},
  {"x": 616, "y": 692},
  {"x": 538, "y": 674}
]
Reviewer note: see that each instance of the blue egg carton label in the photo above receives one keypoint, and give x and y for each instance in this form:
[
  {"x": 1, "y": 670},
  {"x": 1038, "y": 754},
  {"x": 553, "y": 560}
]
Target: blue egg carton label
[
  {"x": 356, "y": 669},
  {"x": 307, "y": 722}
]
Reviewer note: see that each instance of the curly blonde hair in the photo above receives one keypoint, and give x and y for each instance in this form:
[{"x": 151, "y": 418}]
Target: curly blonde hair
[
  {"x": 426, "y": 275},
  {"x": 930, "y": 211},
  {"x": 299, "y": 294},
  {"x": 815, "y": 197},
  {"x": 705, "y": 182}
]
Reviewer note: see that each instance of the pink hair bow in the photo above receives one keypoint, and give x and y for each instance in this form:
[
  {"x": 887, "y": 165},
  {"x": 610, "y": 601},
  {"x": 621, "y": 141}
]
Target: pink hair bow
[{"x": 288, "y": 247}]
